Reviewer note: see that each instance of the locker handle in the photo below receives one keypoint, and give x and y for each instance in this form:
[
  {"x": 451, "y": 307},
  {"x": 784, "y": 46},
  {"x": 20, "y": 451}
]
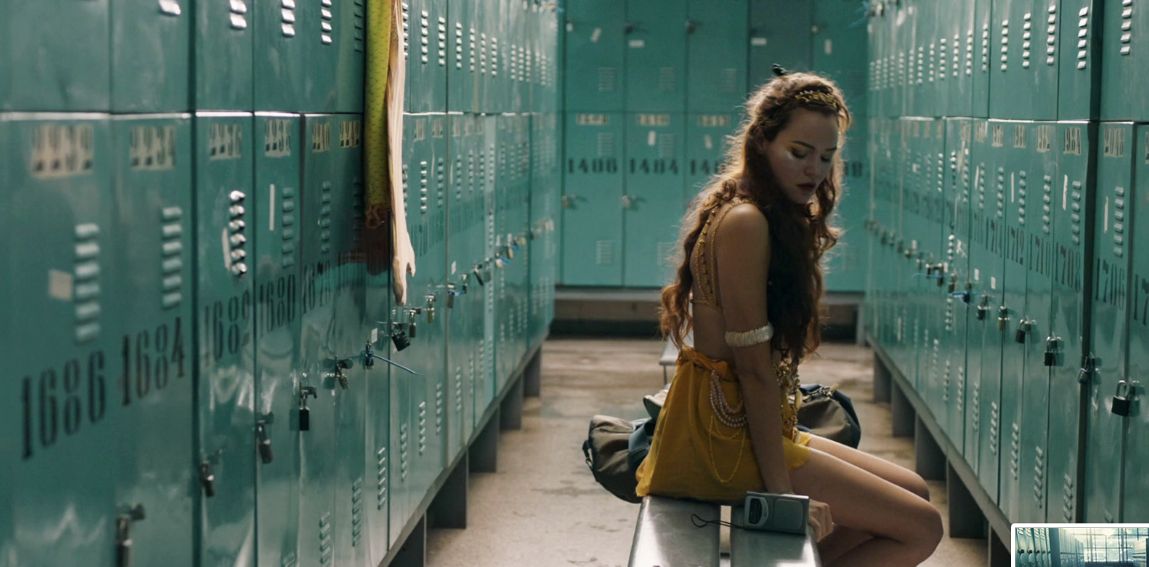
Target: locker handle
[
  {"x": 691, "y": 25},
  {"x": 124, "y": 533}
]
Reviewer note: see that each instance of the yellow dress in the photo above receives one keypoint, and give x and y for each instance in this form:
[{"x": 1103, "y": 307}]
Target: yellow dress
[{"x": 701, "y": 447}]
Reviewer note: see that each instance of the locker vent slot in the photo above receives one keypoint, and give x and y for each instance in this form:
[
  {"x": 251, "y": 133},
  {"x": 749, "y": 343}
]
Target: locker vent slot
[
  {"x": 930, "y": 70},
  {"x": 985, "y": 41},
  {"x": 1126, "y": 27},
  {"x": 1039, "y": 477},
  {"x": 1051, "y": 36},
  {"x": 356, "y": 511},
  {"x": 171, "y": 257},
  {"x": 86, "y": 275},
  {"x": 442, "y": 36},
  {"x": 604, "y": 253},
  {"x": 406, "y": 30},
  {"x": 424, "y": 37},
  {"x": 325, "y": 217},
  {"x": 237, "y": 16},
  {"x": 381, "y": 478},
  {"x": 667, "y": 80},
  {"x": 606, "y": 144},
  {"x": 943, "y": 58},
  {"x": 968, "y": 54},
  {"x": 1005, "y": 45},
  {"x": 1026, "y": 40},
  {"x": 359, "y": 12}
]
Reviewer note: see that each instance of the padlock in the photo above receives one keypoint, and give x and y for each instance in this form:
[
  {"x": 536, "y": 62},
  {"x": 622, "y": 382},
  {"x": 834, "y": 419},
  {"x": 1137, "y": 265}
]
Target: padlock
[
  {"x": 1023, "y": 328},
  {"x": 983, "y": 308},
  {"x": 412, "y": 329},
  {"x": 1122, "y": 399},
  {"x": 305, "y": 418},
  {"x": 1002, "y": 317},
  {"x": 207, "y": 479},
  {"x": 400, "y": 339},
  {"x": 954, "y": 285},
  {"x": 1052, "y": 345},
  {"x": 264, "y": 441},
  {"x": 341, "y": 378}
]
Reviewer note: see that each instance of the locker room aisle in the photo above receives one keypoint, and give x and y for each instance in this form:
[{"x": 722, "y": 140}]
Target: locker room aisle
[{"x": 543, "y": 507}]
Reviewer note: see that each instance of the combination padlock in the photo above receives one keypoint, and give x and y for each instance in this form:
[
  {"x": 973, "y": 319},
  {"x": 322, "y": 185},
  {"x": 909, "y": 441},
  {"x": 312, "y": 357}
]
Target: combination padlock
[
  {"x": 1123, "y": 399},
  {"x": 304, "y": 411},
  {"x": 983, "y": 308},
  {"x": 1052, "y": 346},
  {"x": 263, "y": 440},
  {"x": 399, "y": 337}
]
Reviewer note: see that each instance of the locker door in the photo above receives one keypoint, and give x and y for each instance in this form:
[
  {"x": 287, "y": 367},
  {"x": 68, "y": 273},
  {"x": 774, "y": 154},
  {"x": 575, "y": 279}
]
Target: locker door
[
  {"x": 716, "y": 55},
  {"x": 983, "y": 62},
  {"x": 652, "y": 206},
  {"x": 153, "y": 196},
  {"x": 933, "y": 298},
  {"x": 319, "y": 349},
  {"x": 64, "y": 343},
  {"x": 1123, "y": 60},
  {"x": 955, "y": 57},
  {"x": 1039, "y": 63},
  {"x": 839, "y": 47},
  {"x": 379, "y": 454},
  {"x": 1033, "y": 326},
  {"x": 781, "y": 40},
  {"x": 430, "y": 297},
  {"x": 1078, "y": 51},
  {"x": 223, "y": 59},
  {"x": 994, "y": 282},
  {"x": 1009, "y": 18},
  {"x": 330, "y": 53},
  {"x": 1109, "y": 344},
  {"x": 456, "y": 308},
  {"x": 225, "y": 298},
  {"x": 1018, "y": 218},
  {"x": 705, "y": 151},
  {"x": 1136, "y": 487},
  {"x": 984, "y": 161},
  {"x": 460, "y": 53},
  {"x": 1072, "y": 204},
  {"x": 953, "y": 275},
  {"x": 845, "y": 264},
  {"x": 275, "y": 231},
  {"x": 656, "y": 56},
  {"x": 66, "y": 62},
  {"x": 9, "y": 446},
  {"x": 489, "y": 144},
  {"x": 351, "y": 391},
  {"x": 592, "y": 193},
  {"x": 149, "y": 56},
  {"x": 281, "y": 41}
]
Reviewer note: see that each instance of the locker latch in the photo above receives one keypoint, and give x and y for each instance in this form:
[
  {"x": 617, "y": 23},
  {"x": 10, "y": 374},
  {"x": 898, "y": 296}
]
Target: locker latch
[
  {"x": 207, "y": 475},
  {"x": 124, "y": 533},
  {"x": 452, "y": 292},
  {"x": 1002, "y": 317},
  {"x": 1053, "y": 351},
  {"x": 304, "y": 411},
  {"x": 338, "y": 365},
  {"x": 983, "y": 308},
  {"x": 263, "y": 439},
  {"x": 369, "y": 358},
  {"x": 1088, "y": 369},
  {"x": 1024, "y": 326},
  {"x": 430, "y": 307},
  {"x": 1123, "y": 399}
]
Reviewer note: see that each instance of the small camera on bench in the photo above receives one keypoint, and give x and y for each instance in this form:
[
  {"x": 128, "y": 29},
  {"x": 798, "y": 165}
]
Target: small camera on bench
[{"x": 784, "y": 513}]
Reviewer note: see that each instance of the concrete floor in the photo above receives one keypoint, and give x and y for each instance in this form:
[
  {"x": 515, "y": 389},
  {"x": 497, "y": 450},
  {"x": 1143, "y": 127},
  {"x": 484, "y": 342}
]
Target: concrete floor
[{"x": 543, "y": 508}]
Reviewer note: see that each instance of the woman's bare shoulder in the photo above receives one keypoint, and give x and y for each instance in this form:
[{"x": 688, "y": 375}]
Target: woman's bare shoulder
[{"x": 745, "y": 223}]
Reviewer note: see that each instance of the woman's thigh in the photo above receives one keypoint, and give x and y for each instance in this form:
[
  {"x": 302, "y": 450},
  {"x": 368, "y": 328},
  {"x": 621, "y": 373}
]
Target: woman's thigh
[
  {"x": 896, "y": 474},
  {"x": 865, "y": 501}
]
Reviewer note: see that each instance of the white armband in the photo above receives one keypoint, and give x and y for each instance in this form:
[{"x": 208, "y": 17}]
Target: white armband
[{"x": 750, "y": 338}]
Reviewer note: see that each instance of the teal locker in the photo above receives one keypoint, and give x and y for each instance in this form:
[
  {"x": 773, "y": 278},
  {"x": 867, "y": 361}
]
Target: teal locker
[
  {"x": 934, "y": 237},
  {"x": 7, "y": 342},
  {"x": 592, "y": 189},
  {"x": 1078, "y": 51},
  {"x": 501, "y": 255},
  {"x": 705, "y": 151},
  {"x": 1038, "y": 62},
  {"x": 461, "y": 309},
  {"x": 65, "y": 349},
  {"x": 460, "y": 55},
  {"x": 225, "y": 298},
  {"x": 433, "y": 432},
  {"x": 952, "y": 275},
  {"x": 594, "y": 55},
  {"x": 333, "y": 57},
  {"x": 1109, "y": 343},
  {"x": 1007, "y": 74},
  {"x": 1019, "y": 216},
  {"x": 652, "y": 209},
  {"x": 655, "y": 75},
  {"x": 153, "y": 195},
  {"x": 984, "y": 161},
  {"x": 845, "y": 263},
  {"x": 716, "y": 57},
  {"x": 1136, "y": 488},
  {"x": 278, "y": 158},
  {"x": 839, "y": 47},
  {"x": 1029, "y": 461},
  {"x": 351, "y": 343},
  {"x": 774, "y": 40},
  {"x": 904, "y": 310},
  {"x": 318, "y": 347},
  {"x": 377, "y": 300},
  {"x": 1123, "y": 61},
  {"x": 983, "y": 63},
  {"x": 1072, "y": 206},
  {"x": 149, "y": 56},
  {"x": 223, "y": 58},
  {"x": 992, "y": 311},
  {"x": 488, "y": 137},
  {"x": 353, "y": 52},
  {"x": 65, "y": 63},
  {"x": 281, "y": 44}
]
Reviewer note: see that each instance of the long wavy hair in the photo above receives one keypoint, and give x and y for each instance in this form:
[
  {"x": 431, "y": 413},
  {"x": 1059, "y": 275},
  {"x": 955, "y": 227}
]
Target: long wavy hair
[{"x": 800, "y": 234}]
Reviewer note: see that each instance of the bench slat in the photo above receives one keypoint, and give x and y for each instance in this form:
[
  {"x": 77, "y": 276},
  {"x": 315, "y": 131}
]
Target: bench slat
[
  {"x": 750, "y": 548},
  {"x": 665, "y": 537}
]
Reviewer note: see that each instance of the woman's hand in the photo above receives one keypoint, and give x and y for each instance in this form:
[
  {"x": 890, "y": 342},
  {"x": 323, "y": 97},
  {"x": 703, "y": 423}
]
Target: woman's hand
[{"x": 820, "y": 520}]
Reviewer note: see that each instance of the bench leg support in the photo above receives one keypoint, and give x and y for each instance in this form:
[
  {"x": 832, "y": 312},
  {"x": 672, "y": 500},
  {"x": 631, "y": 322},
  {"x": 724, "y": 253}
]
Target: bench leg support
[
  {"x": 449, "y": 509},
  {"x": 533, "y": 376},
  {"x": 483, "y": 456},
  {"x": 930, "y": 461},
  {"x": 998, "y": 552},
  {"x": 965, "y": 518},
  {"x": 882, "y": 381},
  {"x": 902, "y": 413},
  {"x": 511, "y": 412},
  {"x": 414, "y": 550}
]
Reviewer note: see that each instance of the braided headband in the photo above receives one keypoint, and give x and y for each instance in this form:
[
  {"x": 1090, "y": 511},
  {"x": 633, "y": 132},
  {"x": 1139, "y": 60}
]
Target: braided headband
[{"x": 810, "y": 96}]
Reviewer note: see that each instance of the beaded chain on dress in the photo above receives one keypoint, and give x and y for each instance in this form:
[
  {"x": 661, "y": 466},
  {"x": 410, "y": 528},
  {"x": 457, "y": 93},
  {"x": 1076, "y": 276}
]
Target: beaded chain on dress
[{"x": 735, "y": 418}]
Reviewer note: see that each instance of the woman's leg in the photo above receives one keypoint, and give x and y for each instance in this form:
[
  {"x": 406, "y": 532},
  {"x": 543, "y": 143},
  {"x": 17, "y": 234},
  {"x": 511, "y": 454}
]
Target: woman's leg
[
  {"x": 905, "y": 528},
  {"x": 898, "y": 475}
]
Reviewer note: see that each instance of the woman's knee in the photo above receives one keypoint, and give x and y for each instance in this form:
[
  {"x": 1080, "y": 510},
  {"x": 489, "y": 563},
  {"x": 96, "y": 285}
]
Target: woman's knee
[
  {"x": 918, "y": 486},
  {"x": 927, "y": 529}
]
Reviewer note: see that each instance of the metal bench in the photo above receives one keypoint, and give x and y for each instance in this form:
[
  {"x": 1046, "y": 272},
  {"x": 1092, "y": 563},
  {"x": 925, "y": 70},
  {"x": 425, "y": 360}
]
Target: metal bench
[{"x": 665, "y": 536}]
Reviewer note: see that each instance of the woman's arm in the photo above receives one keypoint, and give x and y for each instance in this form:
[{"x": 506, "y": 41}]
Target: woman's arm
[{"x": 743, "y": 258}]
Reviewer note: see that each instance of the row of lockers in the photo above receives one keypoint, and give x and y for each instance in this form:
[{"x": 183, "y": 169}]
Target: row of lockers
[
  {"x": 1047, "y": 547},
  {"x": 128, "y": 56},
  {"x": 1005, "y": 284},
  {"x": 194, "y": 328},
  {"x": 1009, "y": 59},
  {"x": 703, "y": 56}
]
